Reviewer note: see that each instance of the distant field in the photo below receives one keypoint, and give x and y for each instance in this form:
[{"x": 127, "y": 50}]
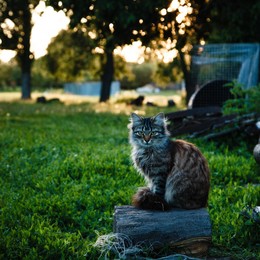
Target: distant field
[
  {"x": 68, "y": 98},
  {"x": 63, "y": 168},
  {"x": 117, "y": 104},
  {"x": 160, "y": 98}
]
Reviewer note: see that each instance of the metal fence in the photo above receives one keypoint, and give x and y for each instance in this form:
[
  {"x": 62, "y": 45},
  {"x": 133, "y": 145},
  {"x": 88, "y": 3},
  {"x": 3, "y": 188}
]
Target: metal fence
[{"x": 231, "y": 62}]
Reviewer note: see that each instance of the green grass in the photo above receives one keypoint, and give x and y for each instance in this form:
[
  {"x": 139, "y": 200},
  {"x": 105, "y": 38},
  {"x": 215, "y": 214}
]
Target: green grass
[{"x": 64, "y": 168}]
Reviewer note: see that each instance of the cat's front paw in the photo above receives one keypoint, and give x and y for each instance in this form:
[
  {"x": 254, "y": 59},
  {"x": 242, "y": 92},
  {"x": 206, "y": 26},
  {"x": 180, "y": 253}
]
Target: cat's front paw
[{"x": 146, "y": 199}]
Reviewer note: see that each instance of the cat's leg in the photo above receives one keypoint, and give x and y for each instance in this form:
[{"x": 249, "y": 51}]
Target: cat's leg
[
  {"x": 157, "y": 184},
  {"x": 146, "y": 199},
  {"x": 152, "y": 197}
]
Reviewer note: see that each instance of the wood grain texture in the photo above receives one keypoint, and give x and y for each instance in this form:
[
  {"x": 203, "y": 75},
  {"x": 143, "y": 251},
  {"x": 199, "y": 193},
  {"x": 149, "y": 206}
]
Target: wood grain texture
[{"x": 183, "y": 231}]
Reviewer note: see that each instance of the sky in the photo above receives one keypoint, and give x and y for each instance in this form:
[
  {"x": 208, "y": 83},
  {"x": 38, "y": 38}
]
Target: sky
[{"x": 46, "y": 26}]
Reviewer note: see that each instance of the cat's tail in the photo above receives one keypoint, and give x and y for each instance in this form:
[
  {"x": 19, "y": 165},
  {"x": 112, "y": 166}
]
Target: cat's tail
[{"x": 146, "y": 199}]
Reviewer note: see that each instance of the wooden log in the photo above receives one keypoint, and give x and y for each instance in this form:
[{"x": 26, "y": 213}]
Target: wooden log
[
  {"x": 178, "y": 230},
  {"x": 195, "y": 112},
  {"x": 200, "y": 125}
]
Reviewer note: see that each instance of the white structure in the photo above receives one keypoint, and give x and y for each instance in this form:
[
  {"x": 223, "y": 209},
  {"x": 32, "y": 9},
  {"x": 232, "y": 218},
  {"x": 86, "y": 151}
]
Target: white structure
[
  {"x": 148, "y": 88},
  {"x": 92, "y": 88}
]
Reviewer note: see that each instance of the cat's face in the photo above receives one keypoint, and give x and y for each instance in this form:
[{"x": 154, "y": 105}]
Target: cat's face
[{"x": 148, "y": 131}]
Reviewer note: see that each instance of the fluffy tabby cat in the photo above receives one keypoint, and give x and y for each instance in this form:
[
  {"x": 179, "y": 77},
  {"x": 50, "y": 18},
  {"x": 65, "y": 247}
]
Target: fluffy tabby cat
[{"x": 176, "y": 171}]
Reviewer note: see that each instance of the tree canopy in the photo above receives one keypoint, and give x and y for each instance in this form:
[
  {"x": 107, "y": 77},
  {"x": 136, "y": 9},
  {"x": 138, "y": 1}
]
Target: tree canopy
[
  {"x": 184, "y": 24},
  {"x": 234, "y": 21}
]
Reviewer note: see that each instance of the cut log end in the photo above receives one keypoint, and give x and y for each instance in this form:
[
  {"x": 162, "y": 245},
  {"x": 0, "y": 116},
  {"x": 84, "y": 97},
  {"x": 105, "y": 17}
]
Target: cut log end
[{"x": 177, "y": 231}]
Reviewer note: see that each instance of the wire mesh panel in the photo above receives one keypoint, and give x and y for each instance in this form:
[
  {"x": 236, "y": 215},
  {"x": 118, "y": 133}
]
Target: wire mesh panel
[
  {"x": 215, "y": 65},
  {"x": 239, "y": 62}
]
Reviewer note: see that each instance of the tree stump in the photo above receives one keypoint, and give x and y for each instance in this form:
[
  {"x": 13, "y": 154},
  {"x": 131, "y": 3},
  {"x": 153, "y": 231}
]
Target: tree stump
[{"x": 178, "y": 230}]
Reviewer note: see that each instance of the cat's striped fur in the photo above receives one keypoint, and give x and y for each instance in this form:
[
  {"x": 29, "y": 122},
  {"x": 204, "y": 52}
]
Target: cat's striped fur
[{"x": 176, "y": 172}]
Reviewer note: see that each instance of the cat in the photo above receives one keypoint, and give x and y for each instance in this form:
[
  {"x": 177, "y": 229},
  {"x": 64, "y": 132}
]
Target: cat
[{"x": 176, "y": 172}]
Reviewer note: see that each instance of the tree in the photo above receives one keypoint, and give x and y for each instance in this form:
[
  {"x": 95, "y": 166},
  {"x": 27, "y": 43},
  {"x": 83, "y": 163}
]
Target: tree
[
  {"x": 114, "y": 23},
  {"x": 184, "y": 24},
  {"x": 70, "y": 57},
  {"x": 235, "y": 21},
  {"x": 217, "y": 21},
  {"x": 16, "y": 25},
  {"x": 168, "y": 72},
  {"x": 9, "y": 75}
]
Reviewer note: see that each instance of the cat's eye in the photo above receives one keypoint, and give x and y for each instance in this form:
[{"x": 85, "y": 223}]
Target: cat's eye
[
  {"x": 139, "y": 133},
  {"x": 154, "y": 133}
]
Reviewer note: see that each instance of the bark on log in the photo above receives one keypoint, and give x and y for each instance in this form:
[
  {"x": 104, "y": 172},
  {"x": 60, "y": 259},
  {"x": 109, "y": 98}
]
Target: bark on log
[{"x": 179, "y": 231}]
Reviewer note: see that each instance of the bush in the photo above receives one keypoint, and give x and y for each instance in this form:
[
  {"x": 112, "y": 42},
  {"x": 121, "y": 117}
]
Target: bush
[
  {"x": 245, "y": 100},
  {"x": 10, "y": 76}
]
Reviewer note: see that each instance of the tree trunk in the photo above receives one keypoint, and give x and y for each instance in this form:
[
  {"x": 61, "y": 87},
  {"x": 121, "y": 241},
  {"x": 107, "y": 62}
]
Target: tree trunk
[
  {"x": 190, "y": 88},
  {"x": 108, "y": 74},
  {"x": 24, "y": 54},
  {"x": 26, "y": 85}
]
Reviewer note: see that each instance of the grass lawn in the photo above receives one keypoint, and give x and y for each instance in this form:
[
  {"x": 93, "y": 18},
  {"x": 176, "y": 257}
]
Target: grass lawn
[{"x": 63, "y": 168}]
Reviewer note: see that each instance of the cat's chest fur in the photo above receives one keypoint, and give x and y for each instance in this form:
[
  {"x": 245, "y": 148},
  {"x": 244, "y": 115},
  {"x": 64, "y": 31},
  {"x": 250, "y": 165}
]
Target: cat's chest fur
[{"x": 148, "y": 161}]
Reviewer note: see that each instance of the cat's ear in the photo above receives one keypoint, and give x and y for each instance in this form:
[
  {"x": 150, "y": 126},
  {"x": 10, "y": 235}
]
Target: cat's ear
[
  {"x": 159, "y": 119},
  {"x": 136, "y": 119}
]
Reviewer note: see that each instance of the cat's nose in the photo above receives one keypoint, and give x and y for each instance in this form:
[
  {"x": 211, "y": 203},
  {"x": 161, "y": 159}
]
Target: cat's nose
[{"x": 147, "y": 138}]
